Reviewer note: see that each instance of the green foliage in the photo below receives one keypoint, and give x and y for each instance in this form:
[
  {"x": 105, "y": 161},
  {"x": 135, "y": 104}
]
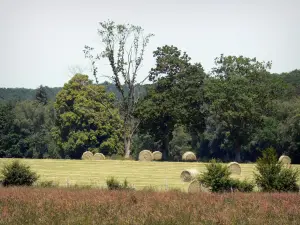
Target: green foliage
[
  {"x": 17, "y": 174},
  {"x": 41, "y": 95},
  {"x": 293, "y": 79},
  {"x": 34, "y": 123},
  {"x": 143, "y": 141},
  {"x": 9, "y": 138},
  {"x": 86, "y": 118},
  {"x": 241, "y": 185},
  {"x": 25, "y": 130},
  {"x": 217, "y": 179},
  {"x": 236, "y": 109},
  {"x": 180, "y": 143},
  {"x": 113, "y": 184},
  {"x": 176, "y": 96},
  {"x": 273, "y": 176}
]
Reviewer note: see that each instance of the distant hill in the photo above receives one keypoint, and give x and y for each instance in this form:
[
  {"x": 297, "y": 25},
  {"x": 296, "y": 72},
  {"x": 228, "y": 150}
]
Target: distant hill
[{"x": 21, "y": 94}]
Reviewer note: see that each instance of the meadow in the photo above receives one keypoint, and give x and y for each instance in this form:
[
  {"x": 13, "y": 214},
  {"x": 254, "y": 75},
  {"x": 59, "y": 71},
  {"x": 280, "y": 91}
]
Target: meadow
[
  {"x": 169, "y": 206},
  {"x": 96, "y": 206}
]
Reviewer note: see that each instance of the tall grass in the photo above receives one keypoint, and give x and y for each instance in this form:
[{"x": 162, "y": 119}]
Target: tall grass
[{"x": 92, "y": 206}]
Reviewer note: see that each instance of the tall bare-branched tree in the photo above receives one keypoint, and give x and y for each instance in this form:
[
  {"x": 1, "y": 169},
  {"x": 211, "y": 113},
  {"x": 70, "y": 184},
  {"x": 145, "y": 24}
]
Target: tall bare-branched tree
[{"x": 124, "y": 47}]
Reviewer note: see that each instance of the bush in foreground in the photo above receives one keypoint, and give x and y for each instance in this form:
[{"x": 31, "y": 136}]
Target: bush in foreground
[
  {"x": 17, "y": 174},
  {"x": 273, "y": 176},
  {"x": 217, "y": 179}
]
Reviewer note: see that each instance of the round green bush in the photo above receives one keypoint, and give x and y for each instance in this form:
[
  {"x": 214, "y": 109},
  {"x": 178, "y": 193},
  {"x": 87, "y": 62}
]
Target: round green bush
[{"x": 17, "y": 174}]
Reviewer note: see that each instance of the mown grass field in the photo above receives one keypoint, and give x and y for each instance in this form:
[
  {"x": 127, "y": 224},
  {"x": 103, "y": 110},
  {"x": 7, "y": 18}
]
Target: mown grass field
[{"x": 160, "y": 175}]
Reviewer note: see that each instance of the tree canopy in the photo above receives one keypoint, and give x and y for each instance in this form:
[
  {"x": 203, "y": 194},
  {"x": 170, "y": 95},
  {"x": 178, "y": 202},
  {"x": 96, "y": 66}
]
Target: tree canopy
[{"x": 86, "y": 119}]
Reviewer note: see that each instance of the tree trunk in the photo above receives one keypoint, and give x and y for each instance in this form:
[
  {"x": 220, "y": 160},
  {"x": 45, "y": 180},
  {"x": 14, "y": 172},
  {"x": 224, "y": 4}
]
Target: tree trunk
[
  {"x": 127, "y": 145},
  {"x": 238, "y": 153}
]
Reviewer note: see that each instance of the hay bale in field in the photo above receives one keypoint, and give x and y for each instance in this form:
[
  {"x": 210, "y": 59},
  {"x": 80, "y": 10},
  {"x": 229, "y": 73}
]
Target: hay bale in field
[
  {"x": 189, "y": 175},
  {"x": 285, "y": 160},
  {"x": 87, "y": 155},
  {"x": 145, "y": 155},
  {"x": 234, "y": 168},
  {"x": 99, "y": 156},
  {"x": 195, "y": 187},
  {"x": 157, "y": 155},
  {"x": 189, "y": 156}
]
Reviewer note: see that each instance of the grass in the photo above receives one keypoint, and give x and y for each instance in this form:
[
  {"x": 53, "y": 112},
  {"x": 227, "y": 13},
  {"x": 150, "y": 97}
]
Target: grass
[
  {"x": 159, "y": 175},
  {"x": 92, "y": 206}
]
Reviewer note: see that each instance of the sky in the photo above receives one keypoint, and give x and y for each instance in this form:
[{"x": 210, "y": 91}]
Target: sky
[{"x": 42, "y": 41}]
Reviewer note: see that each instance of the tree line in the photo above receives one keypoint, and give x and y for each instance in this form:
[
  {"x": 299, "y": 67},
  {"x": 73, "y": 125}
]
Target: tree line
[{"x": 234, "y": 111}]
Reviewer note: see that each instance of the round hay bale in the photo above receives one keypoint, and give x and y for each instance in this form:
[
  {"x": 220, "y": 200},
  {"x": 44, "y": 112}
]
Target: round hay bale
[
  {"x": 99, "y": 156},
  {"x": 234, "y": 168},
  {"x": 87, "y": 155},
  {"x": 145, "y": 155},
  {"x": 157, "y": 155},
  {"x": 196, "y": 187},
  {"x": 188, "y": 175},
  {"x": 189, "y": 156},
  {"x": 285, "y": 160}
]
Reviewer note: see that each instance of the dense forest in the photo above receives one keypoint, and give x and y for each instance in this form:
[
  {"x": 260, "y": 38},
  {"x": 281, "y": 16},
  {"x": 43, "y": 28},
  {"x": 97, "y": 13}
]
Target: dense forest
[{"x": 234, "y": 111}]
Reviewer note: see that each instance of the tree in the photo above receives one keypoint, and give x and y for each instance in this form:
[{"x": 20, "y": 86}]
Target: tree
[
  {"x": 33, "y": 123},
  {"x": 158, "y": 118},
  {"x": 124, "y": 47},
  {"x": 273, "y": 176},
  {"x": 86, "y": 119},
  {"x": 292, "y": 136},
  {"x": 239, "y": 93},
  {"x": 25, "y": 130},
  {"x": 41, "y": 95},
  {"x": 180, "y": 143},
  {"x": 176, "y": 96},
  {"x": 293, "y": 78},
  {"x": 9, "y": 138}
]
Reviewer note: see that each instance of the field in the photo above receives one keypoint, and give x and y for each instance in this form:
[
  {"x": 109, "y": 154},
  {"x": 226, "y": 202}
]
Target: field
[
  {"x": 94, "y": 206},
  {"x": 160, "y": 175}
]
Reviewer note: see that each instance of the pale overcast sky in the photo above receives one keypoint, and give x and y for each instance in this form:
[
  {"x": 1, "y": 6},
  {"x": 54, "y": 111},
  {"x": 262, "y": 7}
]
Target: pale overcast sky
[{"x": 40, "y": 40}]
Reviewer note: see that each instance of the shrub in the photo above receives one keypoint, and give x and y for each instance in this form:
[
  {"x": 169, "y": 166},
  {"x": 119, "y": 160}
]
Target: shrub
[
  {"x": 273, "y": 176},
  {"x": 217, "y": 179},
  {"x": 47, "y": 184},
  {"x": 113, "y": 184},
  {"x": 18, "y": 174},
  {"x": 242, "y": 186}
]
